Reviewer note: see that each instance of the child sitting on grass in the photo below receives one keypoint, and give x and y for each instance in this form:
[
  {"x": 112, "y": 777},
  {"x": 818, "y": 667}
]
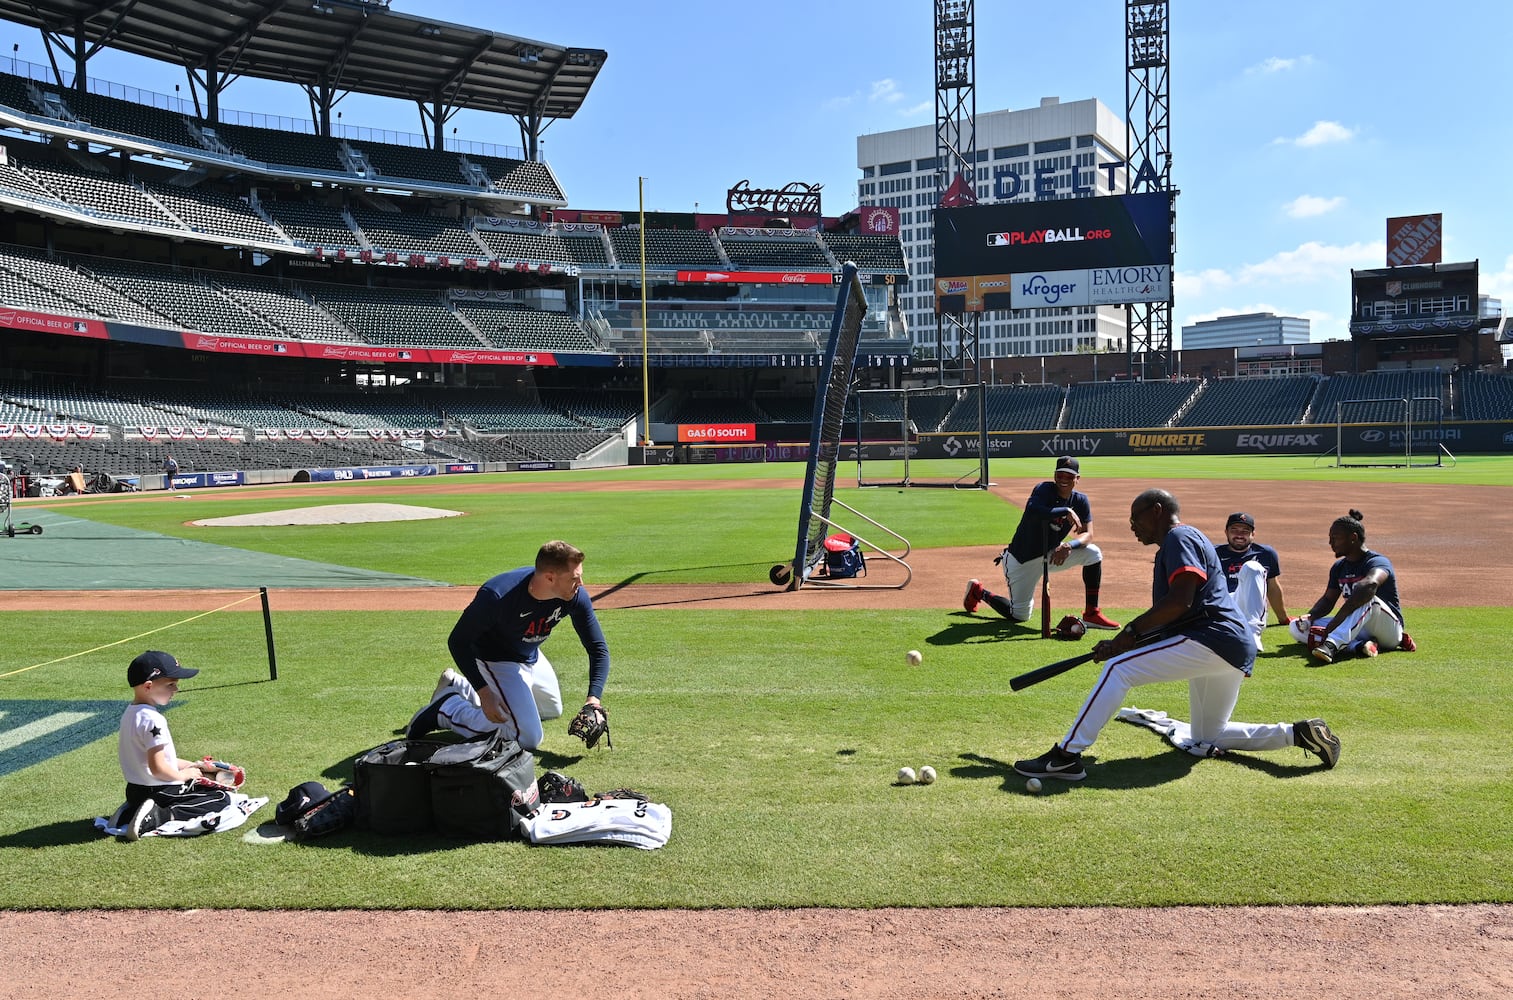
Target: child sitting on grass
[{"x": 160, "y": 786}]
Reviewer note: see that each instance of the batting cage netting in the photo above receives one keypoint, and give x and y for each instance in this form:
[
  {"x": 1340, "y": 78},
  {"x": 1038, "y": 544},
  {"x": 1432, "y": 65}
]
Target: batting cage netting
[
  {"x": 1390, "y": 433},
  {"x": 815, "y": 522},
  {"x": 908, "y": 413}
]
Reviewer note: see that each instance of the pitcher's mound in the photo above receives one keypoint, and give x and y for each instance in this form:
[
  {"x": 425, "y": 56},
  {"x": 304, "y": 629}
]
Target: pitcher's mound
[{"x": 340, "y": 513}]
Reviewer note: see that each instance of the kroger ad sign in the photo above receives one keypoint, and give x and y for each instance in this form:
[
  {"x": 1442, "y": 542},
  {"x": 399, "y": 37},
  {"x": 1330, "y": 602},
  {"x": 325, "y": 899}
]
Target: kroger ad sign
[{"x": 1092, "y": 287}]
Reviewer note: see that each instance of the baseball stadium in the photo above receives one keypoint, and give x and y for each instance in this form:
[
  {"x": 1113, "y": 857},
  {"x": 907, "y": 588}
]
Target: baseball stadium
[{"x": 276, "y": 397}]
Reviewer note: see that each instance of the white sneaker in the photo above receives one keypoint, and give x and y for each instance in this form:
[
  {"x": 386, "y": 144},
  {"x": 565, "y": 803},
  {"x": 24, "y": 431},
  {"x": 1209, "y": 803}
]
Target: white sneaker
[{"x": 452, "y": 681}]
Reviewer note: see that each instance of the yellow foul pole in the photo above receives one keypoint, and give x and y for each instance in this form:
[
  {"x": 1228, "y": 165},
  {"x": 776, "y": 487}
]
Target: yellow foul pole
[{"x": 645, "y": 365}]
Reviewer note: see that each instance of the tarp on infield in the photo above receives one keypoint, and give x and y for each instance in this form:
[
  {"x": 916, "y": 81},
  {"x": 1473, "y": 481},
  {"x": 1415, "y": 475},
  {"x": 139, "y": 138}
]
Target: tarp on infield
[{"x": 75, "y": 554}]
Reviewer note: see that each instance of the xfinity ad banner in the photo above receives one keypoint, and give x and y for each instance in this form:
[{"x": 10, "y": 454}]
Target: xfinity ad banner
[
  {"x": 1481, "y": 437},
  {"x": 994, "y": 243}
]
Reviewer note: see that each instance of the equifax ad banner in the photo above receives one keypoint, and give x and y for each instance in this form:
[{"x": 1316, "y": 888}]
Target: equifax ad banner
[
  {"x": 715, "y": 433},
  {"x": 21, "y": 319}
]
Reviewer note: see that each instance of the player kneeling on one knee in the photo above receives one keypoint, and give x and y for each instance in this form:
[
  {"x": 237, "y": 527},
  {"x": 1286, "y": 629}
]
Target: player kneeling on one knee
[{"x": 502, "y": 682}]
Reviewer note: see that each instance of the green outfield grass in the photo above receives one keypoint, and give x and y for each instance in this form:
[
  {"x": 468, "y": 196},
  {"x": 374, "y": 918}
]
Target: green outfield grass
[
  {"x": 775, "y": 739},
  {"x": 774, "y": 736}
]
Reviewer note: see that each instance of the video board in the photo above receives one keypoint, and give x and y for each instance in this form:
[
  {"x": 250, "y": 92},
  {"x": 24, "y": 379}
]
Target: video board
[{"x": 1076, "y": 251}]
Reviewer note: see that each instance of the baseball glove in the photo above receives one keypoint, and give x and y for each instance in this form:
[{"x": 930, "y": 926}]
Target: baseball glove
[
  {"x": 1315, "y": 635},
  {"x": 555, "y": 786},
  {"x": 1070, "y": 627},
  {"x": 590, "y": 724},
  {"x": 336, "y": 813},
  {"x": 222, "y": 773}
]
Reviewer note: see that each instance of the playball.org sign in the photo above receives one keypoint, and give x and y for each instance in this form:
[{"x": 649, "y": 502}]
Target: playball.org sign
[{"x": 715, "y": 433}]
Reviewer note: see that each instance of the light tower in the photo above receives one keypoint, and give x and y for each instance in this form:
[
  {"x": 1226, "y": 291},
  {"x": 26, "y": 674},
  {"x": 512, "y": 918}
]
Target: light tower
[
  {"x": 956, "y": 153},
  {"x": 1148, "y": 134}
]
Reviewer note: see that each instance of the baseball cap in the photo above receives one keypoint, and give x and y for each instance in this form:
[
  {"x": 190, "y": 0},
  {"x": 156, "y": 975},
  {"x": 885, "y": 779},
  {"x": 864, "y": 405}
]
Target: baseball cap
[
  {"x": 154, "y": 664},
  {"x": 300, "y": 800},
  {"x": 1240, "y": 517},
  {"x": 1067, "y": 463}
]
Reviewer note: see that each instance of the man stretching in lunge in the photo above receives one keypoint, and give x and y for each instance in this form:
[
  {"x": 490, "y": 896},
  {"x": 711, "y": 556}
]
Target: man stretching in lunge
[{"x": 1192, "y": 633}]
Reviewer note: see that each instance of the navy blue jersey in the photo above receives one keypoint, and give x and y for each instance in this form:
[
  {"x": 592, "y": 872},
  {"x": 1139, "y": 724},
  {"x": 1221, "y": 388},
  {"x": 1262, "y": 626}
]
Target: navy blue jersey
[
  {"x": 1030, "y": 539},
  {"x": 1186, "y": 549},
  {"x": 505, "y": 623},
  {"x": 1231, "y": 561},
  {"x": 1345, "y": 574}
]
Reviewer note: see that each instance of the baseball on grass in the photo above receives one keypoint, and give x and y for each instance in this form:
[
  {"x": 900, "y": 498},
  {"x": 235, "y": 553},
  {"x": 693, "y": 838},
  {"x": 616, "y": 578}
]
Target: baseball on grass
[
  {"x": 1032, "y": 786},
  {"x": 906, "y": 776},
  {"x": 913, "y": 658},
  {"x": 927, "y": 775}
]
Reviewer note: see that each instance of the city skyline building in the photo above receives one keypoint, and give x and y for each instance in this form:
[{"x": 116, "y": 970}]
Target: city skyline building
[
  {"x": 1073, "y": 149},
  {"x": 1262, "y": 329}
]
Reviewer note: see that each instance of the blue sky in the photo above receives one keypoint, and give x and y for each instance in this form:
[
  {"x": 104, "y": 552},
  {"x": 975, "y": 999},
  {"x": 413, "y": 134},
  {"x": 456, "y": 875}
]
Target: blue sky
[{"x": 1298, "y": 127}]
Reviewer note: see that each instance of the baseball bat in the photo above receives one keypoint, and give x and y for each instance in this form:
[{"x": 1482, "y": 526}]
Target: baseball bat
[
  {"x": 1045, "y": 582},
  {"x": 1048, "y": 671}
]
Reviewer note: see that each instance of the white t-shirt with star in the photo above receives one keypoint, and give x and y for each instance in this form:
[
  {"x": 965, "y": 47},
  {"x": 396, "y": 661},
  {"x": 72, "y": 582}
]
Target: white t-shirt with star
[{"x": 143, "y": 728}]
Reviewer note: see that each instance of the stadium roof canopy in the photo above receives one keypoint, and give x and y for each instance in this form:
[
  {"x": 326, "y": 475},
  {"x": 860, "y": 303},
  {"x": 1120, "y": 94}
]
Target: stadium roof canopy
[{"x": 328, "y": 46}]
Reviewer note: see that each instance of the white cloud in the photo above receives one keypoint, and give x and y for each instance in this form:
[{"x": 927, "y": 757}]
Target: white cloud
[
  {"x": 917, "y": 109},
  {"x": 840, "y": 103},
  {"x": 1499, "y": 285},
  {"x": 1311, "y": 262},
  {"x": 1308, "y": 205},
  {"x": 1322, "y": 133},
  {"x": 1277, "y": 64},
  {"x": 886, "y": 91}
]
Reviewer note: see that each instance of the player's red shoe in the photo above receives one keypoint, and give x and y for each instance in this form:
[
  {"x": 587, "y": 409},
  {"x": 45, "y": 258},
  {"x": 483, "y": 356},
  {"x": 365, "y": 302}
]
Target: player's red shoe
[
  {"x": 1408, "y": 645},
  {"x": 1094, "y": 618},
  {"x": 973, "y": 596}
]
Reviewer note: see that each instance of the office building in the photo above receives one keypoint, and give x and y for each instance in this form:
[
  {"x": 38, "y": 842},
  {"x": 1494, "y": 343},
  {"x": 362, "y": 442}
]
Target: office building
[
  {"x": 1247, "y": 330},
  {"x": 1056, "y": 150}
]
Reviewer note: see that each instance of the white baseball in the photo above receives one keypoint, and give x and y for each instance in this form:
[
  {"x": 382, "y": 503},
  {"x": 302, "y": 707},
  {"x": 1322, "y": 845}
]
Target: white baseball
[
  {"x": 1032, "y": 786},
  {"x": 906, "y": 776},
  {"x": 914, "y": 658},
  {"x": 927, "y": 775}
]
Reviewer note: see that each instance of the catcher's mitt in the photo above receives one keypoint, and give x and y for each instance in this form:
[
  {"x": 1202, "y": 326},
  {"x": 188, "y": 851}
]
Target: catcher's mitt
[
  {"x": 221, "y": 773},
  {"x": 1070, "y": 627},
  {"x": 555, "y": 786},
  {"x": 591, "y": 723},
  {"x": 336, "y": 813}
]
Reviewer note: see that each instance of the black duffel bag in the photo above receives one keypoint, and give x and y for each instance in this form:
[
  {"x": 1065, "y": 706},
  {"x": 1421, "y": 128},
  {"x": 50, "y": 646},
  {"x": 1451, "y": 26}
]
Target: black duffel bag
[
  {"x": 482, "y": 790},
  {"x": 479, "y": 790}
]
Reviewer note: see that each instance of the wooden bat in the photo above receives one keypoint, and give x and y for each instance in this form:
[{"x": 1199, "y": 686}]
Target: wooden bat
[
  {"x": 1045, "y": 584},
  {"x": 1048, "y": 671}
]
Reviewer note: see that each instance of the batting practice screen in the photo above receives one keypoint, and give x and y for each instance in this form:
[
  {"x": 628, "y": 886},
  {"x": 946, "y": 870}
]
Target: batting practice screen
[
  {"x": 1083, "y": 251},
  {"x": 829, "y": 418}
]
